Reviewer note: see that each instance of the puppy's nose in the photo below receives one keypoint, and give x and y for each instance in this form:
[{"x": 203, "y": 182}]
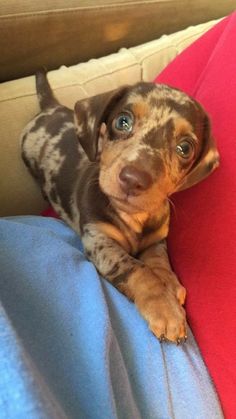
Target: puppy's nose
[{"x": 134, "y": 181}]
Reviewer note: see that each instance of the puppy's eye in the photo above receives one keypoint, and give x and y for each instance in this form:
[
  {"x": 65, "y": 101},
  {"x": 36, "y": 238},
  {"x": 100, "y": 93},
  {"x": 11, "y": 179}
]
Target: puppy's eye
[
  {"x": 185, "y": 149},
  {"x": 124, "y": 122}
]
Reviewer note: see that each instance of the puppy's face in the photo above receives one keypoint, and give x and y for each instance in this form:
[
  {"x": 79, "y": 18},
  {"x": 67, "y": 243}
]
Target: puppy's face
[{"x": 148, "y": 143}]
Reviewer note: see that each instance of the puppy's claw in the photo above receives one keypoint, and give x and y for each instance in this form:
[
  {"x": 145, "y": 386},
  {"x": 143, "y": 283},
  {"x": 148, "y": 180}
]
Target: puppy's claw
[{"x": 181, "y": 340}]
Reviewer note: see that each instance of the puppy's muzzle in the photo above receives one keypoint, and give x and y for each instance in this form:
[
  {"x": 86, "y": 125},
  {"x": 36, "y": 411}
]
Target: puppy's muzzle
[{"x": 134, "y": 181}]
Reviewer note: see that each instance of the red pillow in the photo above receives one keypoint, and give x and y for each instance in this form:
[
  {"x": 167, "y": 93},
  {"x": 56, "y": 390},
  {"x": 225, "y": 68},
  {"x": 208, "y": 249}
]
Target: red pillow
[{"x": 202, "y": 241}]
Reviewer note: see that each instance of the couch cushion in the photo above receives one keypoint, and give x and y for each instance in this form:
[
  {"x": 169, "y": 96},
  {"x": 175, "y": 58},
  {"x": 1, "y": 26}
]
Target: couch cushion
[
  {"x": 202, "y": 239},
  {"x": 56, "y": 32}
]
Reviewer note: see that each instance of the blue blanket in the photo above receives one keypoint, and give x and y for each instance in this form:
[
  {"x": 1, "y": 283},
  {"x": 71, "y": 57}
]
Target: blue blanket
[{"x": 72, "y": 346}]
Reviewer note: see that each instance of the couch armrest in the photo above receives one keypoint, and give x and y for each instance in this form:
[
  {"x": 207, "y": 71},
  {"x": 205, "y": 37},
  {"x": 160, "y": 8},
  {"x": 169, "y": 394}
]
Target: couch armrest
[{"x": 56, "y": 32}]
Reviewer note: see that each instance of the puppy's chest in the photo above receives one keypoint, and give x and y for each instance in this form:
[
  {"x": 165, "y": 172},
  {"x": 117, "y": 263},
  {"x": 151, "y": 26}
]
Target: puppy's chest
[{"x": 142, "y": 233}]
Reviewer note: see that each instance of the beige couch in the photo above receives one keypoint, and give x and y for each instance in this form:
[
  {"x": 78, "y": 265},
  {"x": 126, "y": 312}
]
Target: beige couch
[{"x": 19, "y": 193}]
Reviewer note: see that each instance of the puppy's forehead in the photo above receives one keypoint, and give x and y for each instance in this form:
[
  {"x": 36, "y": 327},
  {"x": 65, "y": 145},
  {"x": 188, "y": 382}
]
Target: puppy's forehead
[
  {"x": 161, "y": 102},
  {"x": 152, "y": 93}
]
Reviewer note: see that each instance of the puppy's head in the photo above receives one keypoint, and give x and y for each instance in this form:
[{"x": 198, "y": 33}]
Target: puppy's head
[{"x": 150, "y": 141}]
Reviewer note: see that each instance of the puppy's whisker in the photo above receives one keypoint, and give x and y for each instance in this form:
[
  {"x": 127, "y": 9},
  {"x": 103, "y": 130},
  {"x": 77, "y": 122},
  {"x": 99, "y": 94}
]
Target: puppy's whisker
[
  {"x": 91, "y": 163},
  {"x": 93, "y": 182},
  {"x": 173, "y": 206}
]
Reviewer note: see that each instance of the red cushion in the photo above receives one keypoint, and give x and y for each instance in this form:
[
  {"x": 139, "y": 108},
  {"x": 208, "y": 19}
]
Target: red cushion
[
  {"x": 49, "y": 212},
  {"x": 202, "y": 240}
]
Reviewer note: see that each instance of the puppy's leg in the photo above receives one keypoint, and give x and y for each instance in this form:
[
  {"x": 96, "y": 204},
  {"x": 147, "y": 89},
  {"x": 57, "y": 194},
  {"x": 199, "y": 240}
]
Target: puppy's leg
[
  {"x": 156, "y": 257},
  {"x": 156, "y": 302}
]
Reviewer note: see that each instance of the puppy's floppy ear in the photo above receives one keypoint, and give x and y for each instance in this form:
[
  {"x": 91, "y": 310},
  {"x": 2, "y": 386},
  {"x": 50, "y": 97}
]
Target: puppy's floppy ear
[
  {"x": 90, "y": 114},
  {"x": 207, "y": 162}
]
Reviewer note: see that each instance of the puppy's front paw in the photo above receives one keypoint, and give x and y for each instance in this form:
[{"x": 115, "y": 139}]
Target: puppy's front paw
[
  {"x": 165, "y": 316},
  {"x": 171, "y": 281}
]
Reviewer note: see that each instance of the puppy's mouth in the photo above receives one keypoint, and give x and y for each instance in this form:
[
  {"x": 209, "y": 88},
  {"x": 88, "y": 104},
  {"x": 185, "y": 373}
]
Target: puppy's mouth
[
  {"x": 134, "y": 202},
  {"x": 124, "y": 201},
  {"x": 132, "y": 189}
]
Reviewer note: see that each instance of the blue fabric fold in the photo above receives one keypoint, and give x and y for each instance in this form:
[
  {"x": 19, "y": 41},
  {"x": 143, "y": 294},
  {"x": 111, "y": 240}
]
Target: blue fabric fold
[{"x": 72, "y": 346}]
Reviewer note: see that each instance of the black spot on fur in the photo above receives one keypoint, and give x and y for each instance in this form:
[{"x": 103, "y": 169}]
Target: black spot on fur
[
  {"x": 122, "y": 278},
  {"x": 39, "y": 123},
  {"x": 144, "y": 89},
  {"x": 115, "y": 268},
  {"x": 57, "y": 120},
  {"x": 53, "y": 195},
  {"x": 155, "y": 223},
  {"x": 92, "y": 202},
  {"x": 64, "y": 180}
]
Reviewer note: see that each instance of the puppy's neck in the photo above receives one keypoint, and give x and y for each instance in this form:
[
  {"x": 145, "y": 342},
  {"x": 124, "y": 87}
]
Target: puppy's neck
[
  {"x": 135, "y": 221},
  {"x": 138, "y": 220}
]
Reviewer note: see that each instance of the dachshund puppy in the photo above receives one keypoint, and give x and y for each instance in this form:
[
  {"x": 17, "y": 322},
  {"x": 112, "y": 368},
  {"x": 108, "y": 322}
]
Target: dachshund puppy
[{"x": 109, "y": 168}]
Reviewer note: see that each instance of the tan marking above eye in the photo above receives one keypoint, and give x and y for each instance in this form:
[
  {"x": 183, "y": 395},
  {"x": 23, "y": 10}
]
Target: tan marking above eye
[
  {"x": 140, "y": 109},
  {"x": 182, "y": 127}
]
